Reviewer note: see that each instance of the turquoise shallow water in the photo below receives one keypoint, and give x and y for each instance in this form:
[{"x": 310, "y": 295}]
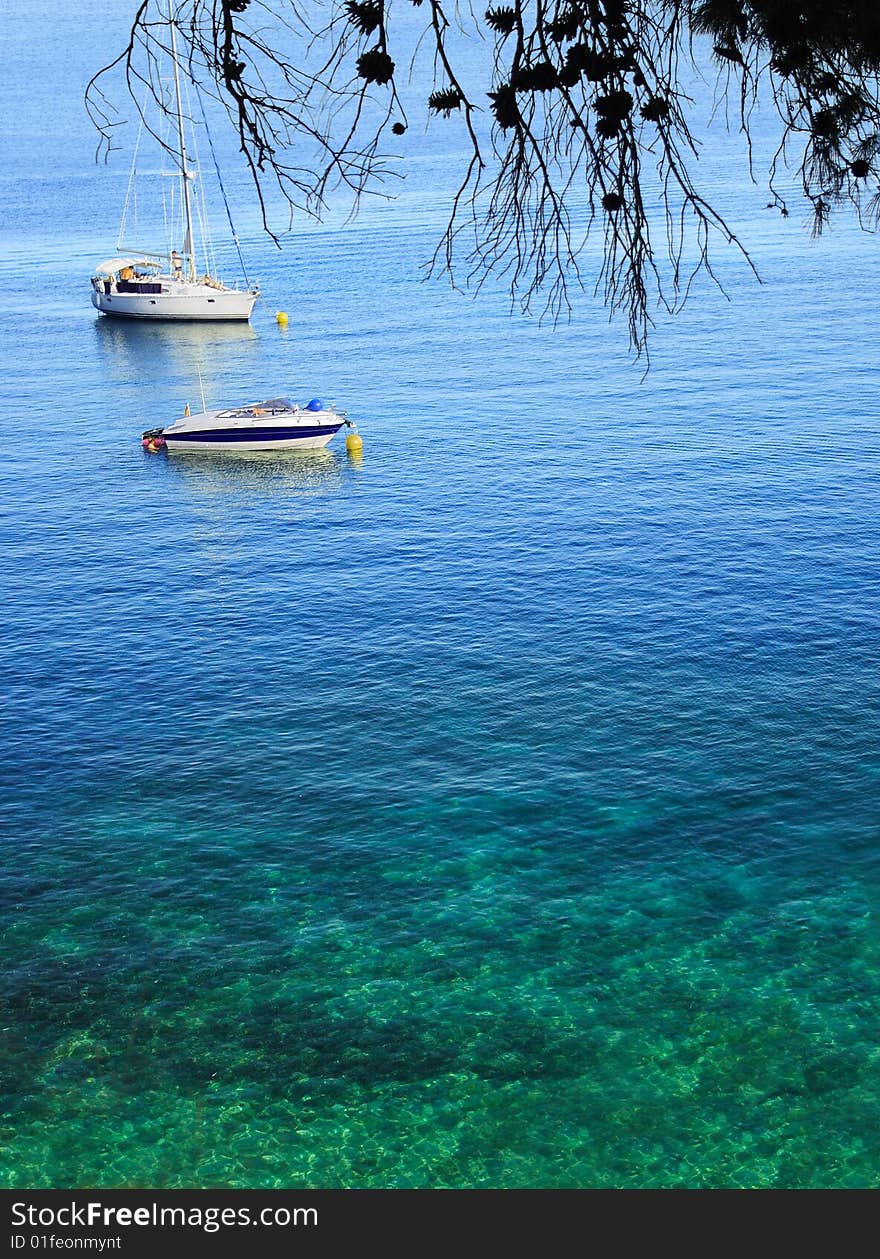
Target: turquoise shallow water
[{"x": 498, "y": 811}]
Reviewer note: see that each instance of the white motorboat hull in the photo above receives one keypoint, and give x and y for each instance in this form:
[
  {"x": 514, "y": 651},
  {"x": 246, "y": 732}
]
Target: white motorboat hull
[
  {"x": 213, "y": 445},
  {"x": 184, "y": 301}
]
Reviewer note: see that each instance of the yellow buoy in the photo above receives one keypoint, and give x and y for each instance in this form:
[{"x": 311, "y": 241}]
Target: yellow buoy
[
  {"x": 281, "y": 317},
  {"x": 354, "y": 443}
]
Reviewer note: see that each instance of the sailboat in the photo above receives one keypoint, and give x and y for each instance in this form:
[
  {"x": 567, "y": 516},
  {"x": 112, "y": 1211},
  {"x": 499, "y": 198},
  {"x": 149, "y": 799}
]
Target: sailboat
[{"x": 143, "y": 285}]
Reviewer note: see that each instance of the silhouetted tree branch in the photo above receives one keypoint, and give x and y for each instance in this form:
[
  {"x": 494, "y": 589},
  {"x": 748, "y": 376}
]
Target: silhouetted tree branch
[{"x": 579, "y": 123}]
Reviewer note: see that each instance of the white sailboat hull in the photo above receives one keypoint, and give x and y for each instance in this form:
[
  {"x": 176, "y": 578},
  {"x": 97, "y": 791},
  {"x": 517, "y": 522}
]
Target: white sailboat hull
[{"x": 199, "y": 302}]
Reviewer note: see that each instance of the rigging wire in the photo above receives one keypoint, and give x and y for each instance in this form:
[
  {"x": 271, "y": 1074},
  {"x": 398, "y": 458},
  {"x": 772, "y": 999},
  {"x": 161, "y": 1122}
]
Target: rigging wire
[
  {"x": 220, "y": 182},
  {"x": 198, "y": 190},
  {"x": 131, "y": 190},
  {"x": 167, "y": 210},
  {"x": 204, "y": 218}
]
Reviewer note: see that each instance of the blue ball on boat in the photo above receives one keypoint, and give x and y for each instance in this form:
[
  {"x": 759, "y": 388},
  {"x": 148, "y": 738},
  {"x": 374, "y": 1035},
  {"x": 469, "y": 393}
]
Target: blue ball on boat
[{"x": 315, "y": 405}]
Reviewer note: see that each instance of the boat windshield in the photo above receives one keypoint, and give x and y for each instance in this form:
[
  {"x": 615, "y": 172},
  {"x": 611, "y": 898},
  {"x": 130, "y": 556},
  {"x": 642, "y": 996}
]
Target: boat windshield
[{"x": 272, "y": 407}]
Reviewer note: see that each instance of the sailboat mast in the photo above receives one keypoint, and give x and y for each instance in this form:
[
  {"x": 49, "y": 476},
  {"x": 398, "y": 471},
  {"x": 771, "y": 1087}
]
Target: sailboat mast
[{"x": 188, "y": 246}]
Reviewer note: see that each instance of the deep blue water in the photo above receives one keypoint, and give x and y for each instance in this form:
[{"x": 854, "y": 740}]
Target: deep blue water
[{"x": 498, "y": 810}]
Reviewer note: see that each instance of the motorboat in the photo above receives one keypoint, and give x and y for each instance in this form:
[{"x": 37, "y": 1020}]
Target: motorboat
[
  {"x": 277, "y": 424},
  {"x": 179, "y": 283}
]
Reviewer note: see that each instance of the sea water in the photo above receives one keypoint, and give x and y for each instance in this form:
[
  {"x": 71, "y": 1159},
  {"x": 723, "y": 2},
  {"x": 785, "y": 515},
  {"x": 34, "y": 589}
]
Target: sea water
[{"x": 498, "y": 810}]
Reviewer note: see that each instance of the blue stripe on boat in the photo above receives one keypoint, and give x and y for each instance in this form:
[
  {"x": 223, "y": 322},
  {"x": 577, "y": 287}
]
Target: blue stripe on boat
[{"x": 252, "y": 434}]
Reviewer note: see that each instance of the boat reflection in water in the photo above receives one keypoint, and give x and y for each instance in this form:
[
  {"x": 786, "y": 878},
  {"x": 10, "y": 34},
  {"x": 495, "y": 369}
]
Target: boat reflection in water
[
  {"x": 172, "y": 357},
  {"x": 303, "y": 474},
  {"x": 132, "y": 347}
]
